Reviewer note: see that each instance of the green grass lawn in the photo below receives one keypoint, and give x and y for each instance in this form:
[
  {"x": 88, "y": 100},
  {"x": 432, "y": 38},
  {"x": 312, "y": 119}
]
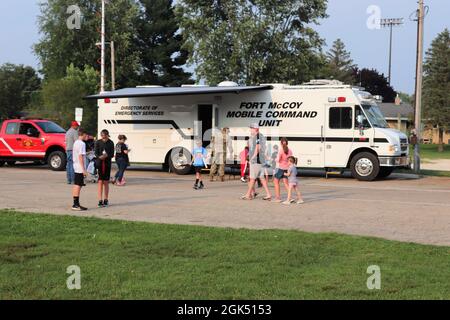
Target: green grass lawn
[
  {"x": 430, "y": 151},
  {"x": 125, "y": 260}
]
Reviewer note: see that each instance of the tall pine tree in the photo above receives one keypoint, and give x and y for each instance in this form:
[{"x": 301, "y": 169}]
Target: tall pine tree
[
  {"x": 436, "y": 85},
  {"x": 339, "y": 64},
  {"x": 159, "y": 41}
]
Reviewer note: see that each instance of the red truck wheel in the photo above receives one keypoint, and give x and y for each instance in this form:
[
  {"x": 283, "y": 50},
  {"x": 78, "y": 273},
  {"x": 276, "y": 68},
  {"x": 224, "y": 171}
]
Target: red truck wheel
[{"x": 57, "y": 161}]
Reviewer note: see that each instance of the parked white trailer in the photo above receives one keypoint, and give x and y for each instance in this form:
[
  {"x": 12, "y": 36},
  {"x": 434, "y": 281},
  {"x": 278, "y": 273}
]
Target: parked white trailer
[{"x": 328, "y": 124}]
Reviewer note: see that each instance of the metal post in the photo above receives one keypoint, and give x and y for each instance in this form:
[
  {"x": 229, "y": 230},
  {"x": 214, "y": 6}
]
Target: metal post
[
  {"x": 113, "y": 67},
  {"x": 102, "y": 59},
  {"x": 419, "y": 74}
]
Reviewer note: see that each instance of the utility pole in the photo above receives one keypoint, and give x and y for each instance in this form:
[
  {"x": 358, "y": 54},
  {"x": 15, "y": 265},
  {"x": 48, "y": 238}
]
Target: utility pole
[
  {"x": 390, "y": 23},
  {"x": 102, "y": 55},
  {"x": 419, "y": 74},
  {"x": 113, "y": 66}
]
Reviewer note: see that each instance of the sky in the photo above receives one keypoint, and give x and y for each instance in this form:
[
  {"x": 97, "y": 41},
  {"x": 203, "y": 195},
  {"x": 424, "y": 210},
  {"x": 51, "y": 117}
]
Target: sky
[{"x": 347, "y": 20}]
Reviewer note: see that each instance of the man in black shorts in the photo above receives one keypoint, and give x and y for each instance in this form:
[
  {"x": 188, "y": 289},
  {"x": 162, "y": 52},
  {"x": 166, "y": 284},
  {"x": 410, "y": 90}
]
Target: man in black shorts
[
  {"x": 104, "y": 152},
  {"x": 79, "y": 161}
]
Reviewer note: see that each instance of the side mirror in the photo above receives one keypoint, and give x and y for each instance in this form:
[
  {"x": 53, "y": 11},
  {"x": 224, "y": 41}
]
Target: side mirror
[
  {"x": 32, "y": 132},
  {"x": 360, "y": 122}
]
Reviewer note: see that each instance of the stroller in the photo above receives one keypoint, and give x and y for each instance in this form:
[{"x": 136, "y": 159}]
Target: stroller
[{"x": 91, "y": 169}]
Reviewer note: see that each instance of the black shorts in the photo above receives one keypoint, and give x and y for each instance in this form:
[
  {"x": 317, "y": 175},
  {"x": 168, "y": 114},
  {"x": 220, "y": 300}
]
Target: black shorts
[
  {"x": 198, "y": 169},
  {"x": 104, "y": 170},
  {"x": 79, "y": 179},
  {"x": 279, "y": 174}
]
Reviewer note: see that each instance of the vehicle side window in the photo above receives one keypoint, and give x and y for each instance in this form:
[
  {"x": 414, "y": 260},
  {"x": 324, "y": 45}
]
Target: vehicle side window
[
  {"x": 340, "y": 118},
  {"x": 12, "y": 127},
  {"x": 24, "y": 127}
]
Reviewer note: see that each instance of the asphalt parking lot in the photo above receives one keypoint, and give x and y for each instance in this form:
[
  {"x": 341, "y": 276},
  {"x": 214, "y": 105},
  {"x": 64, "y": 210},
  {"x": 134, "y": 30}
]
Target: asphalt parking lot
[{"x": 401, "y": 208}]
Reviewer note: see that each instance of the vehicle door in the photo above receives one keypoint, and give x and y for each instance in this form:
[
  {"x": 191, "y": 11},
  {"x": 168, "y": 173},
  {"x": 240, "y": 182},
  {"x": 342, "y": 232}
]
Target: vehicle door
[
  {"x": 28, "y": 140},
  {"x": 338, "y": 135}
]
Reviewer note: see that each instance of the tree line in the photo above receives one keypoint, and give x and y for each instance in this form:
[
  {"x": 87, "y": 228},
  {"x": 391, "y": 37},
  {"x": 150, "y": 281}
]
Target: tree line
[{"x": 246, "y": 41}]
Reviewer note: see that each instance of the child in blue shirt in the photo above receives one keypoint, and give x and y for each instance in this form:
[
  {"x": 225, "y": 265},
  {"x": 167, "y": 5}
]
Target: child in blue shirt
[{"x": 199, "y": 155}]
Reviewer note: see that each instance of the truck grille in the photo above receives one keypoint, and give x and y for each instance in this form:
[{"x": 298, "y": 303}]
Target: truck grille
[{"x": 404, "y": 144}]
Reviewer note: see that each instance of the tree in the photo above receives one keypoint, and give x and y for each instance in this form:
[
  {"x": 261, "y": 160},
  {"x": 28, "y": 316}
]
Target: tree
[
  {"x": 159, "y": 42},
  {"x": 60, "y": 46},
  {"x": 60, "y": 97},
  {"x": 17, "y": 84},
  {"x": 375, "y": 83},
  {"x": 406, "y": 98},
  {"x": 436, "y": 85},
  {"x": 339, "y": 65},
  {"x": 145, "y": 35},
  {"x": 252, "y": 41}
]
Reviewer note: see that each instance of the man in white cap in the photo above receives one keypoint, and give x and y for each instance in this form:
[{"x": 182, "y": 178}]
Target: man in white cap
[{"x": 257, "y": 152}]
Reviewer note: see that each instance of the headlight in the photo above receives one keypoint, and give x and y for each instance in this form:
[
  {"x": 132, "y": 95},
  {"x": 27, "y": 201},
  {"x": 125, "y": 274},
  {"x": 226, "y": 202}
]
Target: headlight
[{"x": 394, "y": 148}]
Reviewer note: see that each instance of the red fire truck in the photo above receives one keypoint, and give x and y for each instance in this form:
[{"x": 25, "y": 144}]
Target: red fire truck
[{"x": 32, "y": 140}]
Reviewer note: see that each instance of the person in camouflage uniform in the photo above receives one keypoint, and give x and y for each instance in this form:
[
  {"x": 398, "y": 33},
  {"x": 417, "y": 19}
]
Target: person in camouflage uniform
[{"x": 220, "y": 144}]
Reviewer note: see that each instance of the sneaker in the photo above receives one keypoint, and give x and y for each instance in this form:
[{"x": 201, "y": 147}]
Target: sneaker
[
  {"x": 195, "y": 186},
  {"x": 243, "y": 180},
  {"x": 78, "y": 208},
  {"x": 202, "y": 186},
  {"x": 105, "y": 203},
  {"x": 288, "y": 203},
  {"x": 100, "y": 204},
  {"x": 300, "y": 202}
]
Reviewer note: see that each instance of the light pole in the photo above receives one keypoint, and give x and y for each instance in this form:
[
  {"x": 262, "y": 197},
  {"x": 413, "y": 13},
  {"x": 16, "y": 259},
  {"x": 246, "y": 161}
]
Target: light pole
[
  {"x": 390, "y": 23},
  {"x": 102, "y": 48},
  {"x": 419, "y": 74},
  {"x": 113, "y": 64}
]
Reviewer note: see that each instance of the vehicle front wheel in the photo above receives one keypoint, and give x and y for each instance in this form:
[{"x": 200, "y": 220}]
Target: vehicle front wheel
[
  {"x": 385, "y": 172},
  {"x": 365, "y": 166},
  {"x": 2, "y": 163},
  {"x": 180, "y": 161},
  {"x": 57, "y": 161}
]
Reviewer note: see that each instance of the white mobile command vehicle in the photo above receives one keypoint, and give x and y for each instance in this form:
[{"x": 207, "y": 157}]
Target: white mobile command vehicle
[{"x": 328, "y": 124}]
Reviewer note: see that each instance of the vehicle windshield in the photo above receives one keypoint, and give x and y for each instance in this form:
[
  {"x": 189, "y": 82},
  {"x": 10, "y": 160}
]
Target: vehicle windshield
[
  {"x": 375, "y": 116},
  {"x": 50, "y": 127}
]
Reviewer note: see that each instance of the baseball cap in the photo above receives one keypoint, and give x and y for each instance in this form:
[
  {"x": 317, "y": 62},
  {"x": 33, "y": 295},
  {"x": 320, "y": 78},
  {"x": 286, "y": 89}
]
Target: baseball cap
[
  {"x": 254, "y": 125},
  {"x": 75, "y": 124}
]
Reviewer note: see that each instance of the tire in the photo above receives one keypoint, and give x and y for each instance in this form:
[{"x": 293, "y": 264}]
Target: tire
[
  {"x": 365, "y": 166},
  {"x": 11, "y": 163},
  {"x": 57, "y": 161},
  {"x": 180, "y": 161},
  {"x": 385, "y": 172},
  {"x": 2, "y": 163}
]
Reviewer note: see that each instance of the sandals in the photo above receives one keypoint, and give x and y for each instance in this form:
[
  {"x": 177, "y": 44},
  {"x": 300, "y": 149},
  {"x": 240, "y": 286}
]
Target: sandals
[
  {"x": 267, "y": 198},
  {"x": 244, "y": 197}
]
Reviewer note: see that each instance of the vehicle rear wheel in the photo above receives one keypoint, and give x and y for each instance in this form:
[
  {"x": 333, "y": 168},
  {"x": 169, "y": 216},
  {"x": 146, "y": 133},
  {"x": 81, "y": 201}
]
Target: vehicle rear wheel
[
  {"x": 365, "y": 166},
  {"x": 11, "y": 163},
  {"x": 180, "y": 161},
  {"x": 2, "y": 163},
  {"x": 57, "y": 161},
  {"x": 385, "y": 172}
]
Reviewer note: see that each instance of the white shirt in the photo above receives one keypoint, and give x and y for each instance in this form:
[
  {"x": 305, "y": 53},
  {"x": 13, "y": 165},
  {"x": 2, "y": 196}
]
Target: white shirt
[{"x": 79, "y": 148}]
